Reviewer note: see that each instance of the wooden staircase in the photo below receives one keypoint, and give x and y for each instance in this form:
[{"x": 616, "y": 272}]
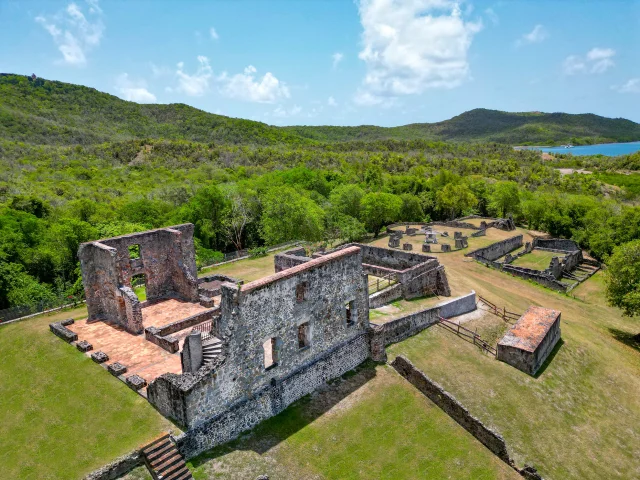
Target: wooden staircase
[{"x": 164, "y": 461}]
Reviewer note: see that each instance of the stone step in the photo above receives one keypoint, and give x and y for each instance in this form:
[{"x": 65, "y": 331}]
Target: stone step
[
  {"x": 164, "y": 461},
  {"x": 182, "y": 474}
]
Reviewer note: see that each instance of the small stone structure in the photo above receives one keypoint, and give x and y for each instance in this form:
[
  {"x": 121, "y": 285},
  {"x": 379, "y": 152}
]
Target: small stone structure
[
  {"x": 430, "y": 237},
  {"x": 461, "y": 242},
  {"x": 407, "y": 247},
  {"x": 394, "y": 242},
  {"x": 457, "y": 235},
  {"x": 426, "y": 248},
  {"x": 164, "y": 256},
  {"x": 445, "y": 247},
  {"x": 528, "y": 343}
]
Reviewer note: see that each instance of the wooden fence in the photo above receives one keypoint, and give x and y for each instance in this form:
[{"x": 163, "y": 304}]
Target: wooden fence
[
  {"x": 507, "y": 316},
  {"x": 470, "y": 335}
]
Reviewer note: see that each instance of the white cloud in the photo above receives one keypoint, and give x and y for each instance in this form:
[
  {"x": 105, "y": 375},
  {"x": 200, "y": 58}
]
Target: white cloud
[
  {"x": 213, "y": 33},
  {"x": 537, "y": 35},
  {"x": 197, "y": 84},
  {"x": 134, "y": 90},
  {"x": 492, "y": 16},
  {"x": 597, "y": 60},
  {"x": 412, "y": 45},
  {"x": 282, "y": 112},
  {"x": 332, "y": 102},
  {"x": 72, "y": 33},
  {"x": 632, "y": 86},
  {"x": 337, "y": 58},
  {"x": 246, "y": 86}
]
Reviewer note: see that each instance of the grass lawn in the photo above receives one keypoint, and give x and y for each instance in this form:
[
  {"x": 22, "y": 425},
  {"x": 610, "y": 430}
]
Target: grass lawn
[
  {"x": 61, "y": 415},
  {"x": 580, "y": 418},
  {"x": 370, "y": 425},
  {"x": 537, "y": 259},
  {"x": 248, "y": 269}
]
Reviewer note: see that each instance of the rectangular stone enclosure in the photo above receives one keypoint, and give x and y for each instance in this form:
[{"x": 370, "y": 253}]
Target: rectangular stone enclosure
[
  {"x": 165, "y": 257},
  {"x": 528, "y": 343}
]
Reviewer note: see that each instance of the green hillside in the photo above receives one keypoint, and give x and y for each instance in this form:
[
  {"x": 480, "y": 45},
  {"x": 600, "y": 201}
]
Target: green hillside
[{"x": 50, "y": 112}]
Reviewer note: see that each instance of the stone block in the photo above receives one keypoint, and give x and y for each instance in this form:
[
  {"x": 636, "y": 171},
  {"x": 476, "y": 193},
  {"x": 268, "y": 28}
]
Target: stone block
[
  {"x": 207, "y": 301},
  {"x": 84, "y": 346},
  {"x": 67, "y": 322},
  {"x": 407, "y": 246},
  {"x": 99, "y": 357},
  {"x": 62, "y": 332},
  {"x": 394, "y": 242},
  {"x": 457, "y": 235},
  {"x": 445, "y": 247},
  {"x": 426, "y": 247},
  {"x": 445, "y": 234},
  {"x": 117, "y": 369},
  {"x": 136, "y": 382}
]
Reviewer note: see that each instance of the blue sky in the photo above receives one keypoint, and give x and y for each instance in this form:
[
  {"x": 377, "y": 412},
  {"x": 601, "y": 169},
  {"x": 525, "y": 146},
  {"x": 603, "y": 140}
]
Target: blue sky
[{"x": 381, "y": 62}]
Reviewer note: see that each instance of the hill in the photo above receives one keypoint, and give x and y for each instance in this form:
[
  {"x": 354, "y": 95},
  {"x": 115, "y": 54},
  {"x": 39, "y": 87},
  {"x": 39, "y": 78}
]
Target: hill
[
  {"x": 51, "y": 112},
  {"x": 529, "y": 128}
]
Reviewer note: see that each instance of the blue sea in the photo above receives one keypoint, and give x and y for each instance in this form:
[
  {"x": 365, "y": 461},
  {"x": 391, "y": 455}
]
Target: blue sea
[{"x": 609, "y": 149}]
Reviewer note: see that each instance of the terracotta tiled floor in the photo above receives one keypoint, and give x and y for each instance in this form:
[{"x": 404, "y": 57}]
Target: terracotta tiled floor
[
  {"x": 168, "y": 311},
  {"x": 140, "y": 356}
]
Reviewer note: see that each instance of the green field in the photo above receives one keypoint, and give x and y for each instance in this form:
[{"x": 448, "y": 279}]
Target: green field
[
  {"x": 61, "y": 415},
  {"x": 537, "y": 259},
  {"x": 371, "y": 424}
]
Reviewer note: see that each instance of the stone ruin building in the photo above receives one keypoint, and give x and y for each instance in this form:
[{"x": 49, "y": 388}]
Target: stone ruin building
[
  {"x": 163, "y": 258},
  {"x": 528, "y": 343},
  {"x": 570, "y": 265},
  {"x": 213, "y": 349}
]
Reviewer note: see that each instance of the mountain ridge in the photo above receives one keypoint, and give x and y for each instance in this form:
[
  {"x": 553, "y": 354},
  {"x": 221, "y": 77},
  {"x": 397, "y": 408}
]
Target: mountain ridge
[{"x": 40, "y": 111}]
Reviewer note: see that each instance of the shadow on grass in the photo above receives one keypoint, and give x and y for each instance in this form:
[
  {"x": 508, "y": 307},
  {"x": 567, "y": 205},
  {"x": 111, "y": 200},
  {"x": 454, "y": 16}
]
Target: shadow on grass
[
  {"x": 550, "y": 358},
  {"x": 629, "y": 339},
  {"x": 294, "y": 418}
]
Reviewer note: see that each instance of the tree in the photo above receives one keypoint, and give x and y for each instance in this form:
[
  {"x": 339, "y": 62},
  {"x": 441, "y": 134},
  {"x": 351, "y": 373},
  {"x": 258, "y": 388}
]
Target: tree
[
  {"x": 505, "y": 198},
  {"x": 242, "y": 211},
  {"x": 346, "y": 200},
  {"x": 454, "y": 199},
  {"x": 343, "y": 227},
  {"x": 207, "y": 211},
  {"x": 288, "y": 215},
  {"x": 379, "y": 209},
  {"x": 622, "y": 278},
  {"x": 411, "y": 208}
]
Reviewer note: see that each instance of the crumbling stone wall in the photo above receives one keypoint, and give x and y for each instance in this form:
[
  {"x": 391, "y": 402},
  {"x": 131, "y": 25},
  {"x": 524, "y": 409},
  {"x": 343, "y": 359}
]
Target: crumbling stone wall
[
  {"x": 498, "y": 249},
  {"x": 556, "y": 244},
  {"x": 447, "y": 402},
  {"x": 316, "y": 292},
  {"x": 385, "y": 296},
  {"x": 167, "y": 259},
  {"x": 539, "y": 276},
  {"x": 290, "y": 258}
]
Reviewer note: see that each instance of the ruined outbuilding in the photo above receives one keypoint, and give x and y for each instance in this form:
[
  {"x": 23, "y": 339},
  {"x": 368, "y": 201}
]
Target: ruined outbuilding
[{"x": 528, "y": 343}]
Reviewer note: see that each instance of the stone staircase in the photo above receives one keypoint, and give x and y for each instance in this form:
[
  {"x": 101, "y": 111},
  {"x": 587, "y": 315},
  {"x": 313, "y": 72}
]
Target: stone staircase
[
  {"x": 211, "y": 349},
  {"x": 164, "y": 461}
]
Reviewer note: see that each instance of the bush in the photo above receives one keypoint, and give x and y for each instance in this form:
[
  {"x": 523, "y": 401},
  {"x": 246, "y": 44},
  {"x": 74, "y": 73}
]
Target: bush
[{"x": 258, "y": 252}]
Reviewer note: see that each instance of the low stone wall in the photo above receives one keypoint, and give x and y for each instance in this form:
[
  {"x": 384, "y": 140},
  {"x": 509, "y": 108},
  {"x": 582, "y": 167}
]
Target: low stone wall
[
  {"x": 385, "y": 296},
  {"x": 274, "y": 398},
  {"x": 59, "y": 329},
  {"x": 407, "y": 326},
  {"x": 479, "y": 233},
  {"x": 447, "y": 402},
  {"x": 191, "y": 321},
  {"x": 214, "y": 292},
  {"x": 498, "y": 249},
  {"x": 433, "y": 281},
  {"x": 561, "y": 244},
  {"x": 119, "y": 467},
  {"x": 169, "y": 343},
  {"x": 290, "y": 258},
  {"x": 455, "y": 224},
  {"x": 458, "y": 306},
  {"x": 538, "y": 276}
]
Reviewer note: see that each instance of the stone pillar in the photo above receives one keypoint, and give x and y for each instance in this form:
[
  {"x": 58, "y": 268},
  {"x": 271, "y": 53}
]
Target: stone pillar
[
  {"x": 407, "y": 246},
  {"x": 457, "y": 235},
  {"x": 191, "y": 355},
  {"x": 446, "y": 247},
  {"x": 426, "y": 248}
]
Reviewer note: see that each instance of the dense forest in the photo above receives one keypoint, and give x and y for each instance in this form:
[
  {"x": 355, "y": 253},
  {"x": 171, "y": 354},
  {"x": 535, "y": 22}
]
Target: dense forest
[{"x": 98, "y": 166}]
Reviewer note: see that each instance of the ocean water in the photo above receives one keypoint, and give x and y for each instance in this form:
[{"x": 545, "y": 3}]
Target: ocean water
[{"x": 609, "y": 149}]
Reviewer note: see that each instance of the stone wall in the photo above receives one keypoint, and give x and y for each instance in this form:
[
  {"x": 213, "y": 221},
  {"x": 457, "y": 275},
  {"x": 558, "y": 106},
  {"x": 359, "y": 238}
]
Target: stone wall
[
  {"x": 274, "y": 397},
  {"x": 556, "y": 244},
  {"x": 385, "y": 296},
  {"x": 458, "y": 306},
  {"x": 407, "y": 326},
  {"x": 443, "y": 399},
  {"x": 429, "y": 282},
  {"x": 498, "y": 249},
  {"x": 290, "y": 258},
  {"x": 539, "y": 276},
  {"x": 119, "y": 467},
  {"x": 167, "y": 259},
  {"x": 316, "y": 292}
]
